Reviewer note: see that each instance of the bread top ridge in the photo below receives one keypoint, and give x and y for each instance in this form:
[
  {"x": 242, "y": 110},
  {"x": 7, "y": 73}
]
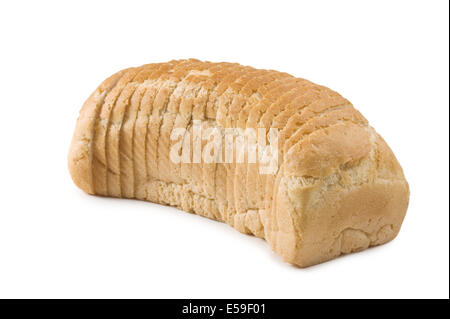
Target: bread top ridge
[{"x": 321, "y": 133}]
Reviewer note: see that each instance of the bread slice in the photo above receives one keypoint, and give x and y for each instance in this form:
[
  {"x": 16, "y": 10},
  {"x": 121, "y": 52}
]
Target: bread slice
[{"x": 335, "y": 188}]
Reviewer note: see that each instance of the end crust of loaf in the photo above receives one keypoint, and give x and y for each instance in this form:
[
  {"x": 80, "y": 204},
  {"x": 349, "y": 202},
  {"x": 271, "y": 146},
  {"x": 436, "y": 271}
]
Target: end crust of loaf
[
  {"x": 318, "y": 220},
  {"x": 80, "y": 152},
  {"x": 338, "y": 188}
]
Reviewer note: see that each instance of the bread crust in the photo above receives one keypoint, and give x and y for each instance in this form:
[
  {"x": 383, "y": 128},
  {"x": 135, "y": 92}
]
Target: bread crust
[{"x": 337, "y": 187}]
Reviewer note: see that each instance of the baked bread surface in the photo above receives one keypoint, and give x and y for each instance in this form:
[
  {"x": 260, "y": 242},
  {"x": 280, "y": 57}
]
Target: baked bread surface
[{"x": 337, "y": 187}]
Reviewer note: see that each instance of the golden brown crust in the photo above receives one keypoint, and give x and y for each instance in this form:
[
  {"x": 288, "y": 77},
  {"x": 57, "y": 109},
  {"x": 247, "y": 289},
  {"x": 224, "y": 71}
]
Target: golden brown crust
[
  {"x": 80, "y": 153},
  {"x": 100, "y": 169},
  {"x": 338, "y": 187}
]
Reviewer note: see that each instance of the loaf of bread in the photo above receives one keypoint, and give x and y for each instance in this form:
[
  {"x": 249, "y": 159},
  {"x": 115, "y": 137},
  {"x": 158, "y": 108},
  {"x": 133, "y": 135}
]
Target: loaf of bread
[{"x": 323, "y": 183}]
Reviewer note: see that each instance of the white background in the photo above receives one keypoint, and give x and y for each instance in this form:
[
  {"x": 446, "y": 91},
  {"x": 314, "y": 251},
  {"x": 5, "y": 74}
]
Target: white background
[{"x": 390, "y": 58}]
